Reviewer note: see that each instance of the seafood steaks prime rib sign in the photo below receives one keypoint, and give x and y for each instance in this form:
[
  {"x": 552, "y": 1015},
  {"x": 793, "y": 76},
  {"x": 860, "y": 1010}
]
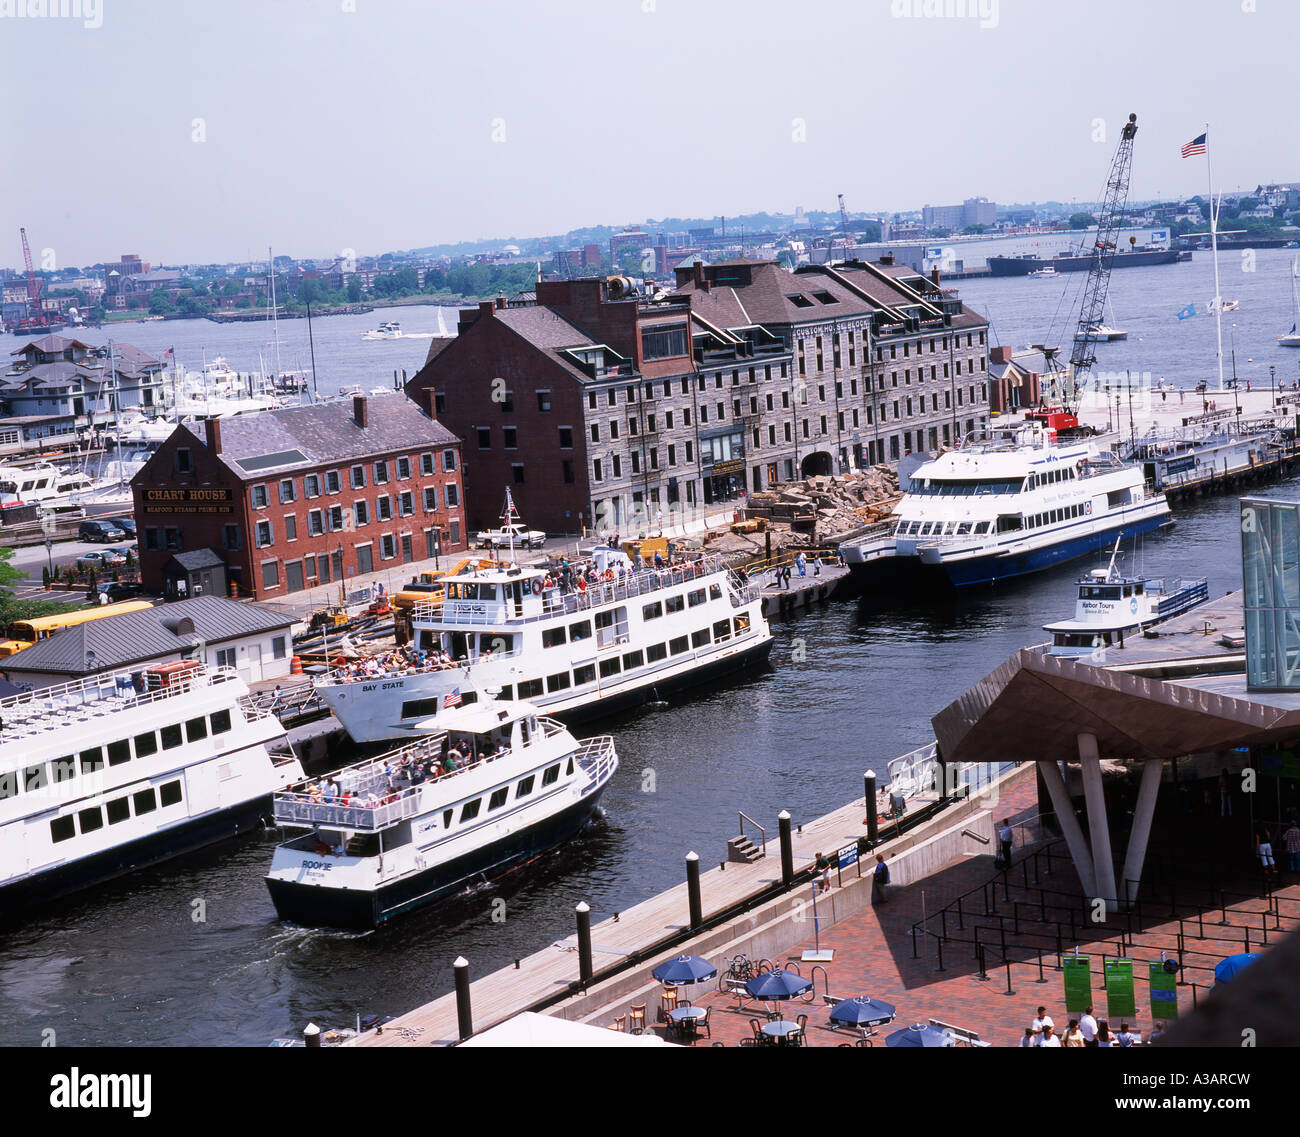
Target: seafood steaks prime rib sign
[{"x": 191, "y": 499}]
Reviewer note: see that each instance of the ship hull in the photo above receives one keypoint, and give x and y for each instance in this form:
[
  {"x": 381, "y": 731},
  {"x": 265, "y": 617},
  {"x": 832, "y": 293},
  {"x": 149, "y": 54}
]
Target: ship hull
[{"x": 1023, "y": 266}]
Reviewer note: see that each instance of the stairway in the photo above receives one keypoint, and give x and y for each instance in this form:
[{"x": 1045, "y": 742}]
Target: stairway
[{"x": 743, "y": 851}]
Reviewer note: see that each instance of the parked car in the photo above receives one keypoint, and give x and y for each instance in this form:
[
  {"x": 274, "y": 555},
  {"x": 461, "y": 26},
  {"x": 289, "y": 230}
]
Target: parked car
[
  {"x": 124, "y": 550},
  {"x": 116, "y": 591},
  {"x": 101, "y": 558},
  {"x": 96, "y": 529},
  {"x": 127, "y": 525}
]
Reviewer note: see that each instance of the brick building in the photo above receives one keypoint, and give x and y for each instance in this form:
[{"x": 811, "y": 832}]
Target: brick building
[
  {"x": 302, "y": 496},
  {"x": 604, "y": 406}
]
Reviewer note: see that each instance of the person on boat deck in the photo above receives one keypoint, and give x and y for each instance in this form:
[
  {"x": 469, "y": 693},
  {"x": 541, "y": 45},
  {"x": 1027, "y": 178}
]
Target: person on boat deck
[{"x": 453, "y": 760}]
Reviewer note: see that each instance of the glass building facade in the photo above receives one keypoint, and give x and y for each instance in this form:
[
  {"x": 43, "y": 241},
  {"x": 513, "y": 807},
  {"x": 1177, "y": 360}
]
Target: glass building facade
[{"x": 1270, "y": 561}]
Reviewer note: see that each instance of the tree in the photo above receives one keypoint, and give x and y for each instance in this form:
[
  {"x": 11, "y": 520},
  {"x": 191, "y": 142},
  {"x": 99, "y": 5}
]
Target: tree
[
  {"x": 310, "y": 290},
  {"x": 11, "y": 608},
  {"x": 1082, "y": 220},
  {"x": 973, "y": 229},
  {"x": 160, "y": 304},
  {"x": 354, "y": 289}
]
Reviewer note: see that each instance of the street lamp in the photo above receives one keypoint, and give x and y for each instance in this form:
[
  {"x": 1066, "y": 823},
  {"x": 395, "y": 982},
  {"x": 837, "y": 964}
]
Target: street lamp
[{"x": 1272, "y": 383}]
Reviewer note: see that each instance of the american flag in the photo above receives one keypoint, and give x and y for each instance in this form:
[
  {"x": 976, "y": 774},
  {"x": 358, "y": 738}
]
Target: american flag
[
  {"x": 1195, "y": 146},
  {"x": 451, "y": 700},
  {"x": 168, "y": 352}
]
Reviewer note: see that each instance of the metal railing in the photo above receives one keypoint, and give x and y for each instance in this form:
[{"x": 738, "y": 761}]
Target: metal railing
[{"x": 761, "y": 831}]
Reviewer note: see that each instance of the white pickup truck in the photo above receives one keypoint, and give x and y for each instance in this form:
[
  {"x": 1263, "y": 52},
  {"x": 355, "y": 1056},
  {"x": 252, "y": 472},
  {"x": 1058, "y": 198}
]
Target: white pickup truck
[{"x": 501, "y": 538}]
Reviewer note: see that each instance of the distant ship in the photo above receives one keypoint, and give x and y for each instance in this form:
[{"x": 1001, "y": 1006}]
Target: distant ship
[{"x": 1074, "y": 262}]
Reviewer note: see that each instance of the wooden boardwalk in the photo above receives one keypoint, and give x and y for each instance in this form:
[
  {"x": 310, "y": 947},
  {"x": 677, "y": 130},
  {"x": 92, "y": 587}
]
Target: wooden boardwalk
[
  {"x": 804, "y": 591},
  {"x": 551, "y": 972}
]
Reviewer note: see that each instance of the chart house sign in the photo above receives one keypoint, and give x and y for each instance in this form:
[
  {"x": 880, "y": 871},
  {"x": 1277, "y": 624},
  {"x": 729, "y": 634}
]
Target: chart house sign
[{"x": 217, "y": 499}]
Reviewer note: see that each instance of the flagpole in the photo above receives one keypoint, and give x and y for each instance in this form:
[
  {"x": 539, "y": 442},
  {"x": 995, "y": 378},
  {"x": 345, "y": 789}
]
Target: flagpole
[{"x": 1214, "y": 244}]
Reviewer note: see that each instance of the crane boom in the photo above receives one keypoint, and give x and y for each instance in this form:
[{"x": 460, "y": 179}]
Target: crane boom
[
  {"x": 844, "y": 225},
  {"x": 1092, "y": 310},
  {"x": 33, "y": 285}
]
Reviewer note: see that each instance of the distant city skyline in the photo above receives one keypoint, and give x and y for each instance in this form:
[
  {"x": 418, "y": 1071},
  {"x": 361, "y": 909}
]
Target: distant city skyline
[{"x": 198, "y": 133}]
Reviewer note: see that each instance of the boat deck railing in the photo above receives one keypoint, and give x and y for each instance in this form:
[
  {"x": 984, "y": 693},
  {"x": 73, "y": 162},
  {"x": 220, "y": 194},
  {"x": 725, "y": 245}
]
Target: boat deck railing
[
  {"x": 343, "y": 675},
  {"x": 57, "y": 707}
]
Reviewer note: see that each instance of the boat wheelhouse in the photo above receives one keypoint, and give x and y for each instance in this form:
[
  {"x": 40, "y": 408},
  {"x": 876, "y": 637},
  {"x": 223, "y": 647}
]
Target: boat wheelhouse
[
  {"x": 493, "y": 787},
  {"x": 1007, "y": 503},
  {"x": 576, "y": 649},
  {"x": 121, "y": 770}
]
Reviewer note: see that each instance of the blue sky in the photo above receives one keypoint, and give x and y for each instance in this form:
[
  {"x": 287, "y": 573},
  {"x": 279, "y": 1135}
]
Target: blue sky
[{"x": 190, "y": 131}]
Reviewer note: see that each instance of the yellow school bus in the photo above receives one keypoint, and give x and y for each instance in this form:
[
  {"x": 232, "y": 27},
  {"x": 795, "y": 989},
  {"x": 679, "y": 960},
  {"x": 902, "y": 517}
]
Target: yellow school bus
[{"x": 23, "y": 633}]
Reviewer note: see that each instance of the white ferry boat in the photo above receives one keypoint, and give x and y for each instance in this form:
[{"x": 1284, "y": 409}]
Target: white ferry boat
[
  {"x": 117, "y": 771},
  {"x": 1112, "y": 605},
  {"x": 493, "y": 788},
  {"x": 391, "y": 330},
  {"x": 1008, "y": 502},
  {"x": 635, "y": 636}
]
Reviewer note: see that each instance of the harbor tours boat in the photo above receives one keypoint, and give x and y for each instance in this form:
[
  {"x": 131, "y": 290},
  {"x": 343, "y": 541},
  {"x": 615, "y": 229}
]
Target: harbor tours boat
[
  {"x": 1008, "y": 502},
  {"x": 1112, "y": 604},
  {"x": 116, "y": 771},
  {"x": 491, "y": 788},
  {"x": 575, "y": 646}
]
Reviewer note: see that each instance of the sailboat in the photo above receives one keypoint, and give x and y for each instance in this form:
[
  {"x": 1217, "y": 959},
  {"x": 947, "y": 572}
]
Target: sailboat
[
  {"x": 1103, "y": 333},
  {"x": 1292, "y": 338}
]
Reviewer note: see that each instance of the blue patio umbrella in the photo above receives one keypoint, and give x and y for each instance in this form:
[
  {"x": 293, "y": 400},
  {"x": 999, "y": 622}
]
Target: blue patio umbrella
[
  {"x": 920, "y": 1034},
  {"x": 1231, "y": 967},
  {"x": 778, "y": 984},
  {"x": 862, "y": 1011},
  {"x": 685, "y": 969}
]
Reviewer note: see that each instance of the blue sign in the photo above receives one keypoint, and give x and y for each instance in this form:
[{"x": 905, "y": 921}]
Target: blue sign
[{"x": 848, "y": 855}]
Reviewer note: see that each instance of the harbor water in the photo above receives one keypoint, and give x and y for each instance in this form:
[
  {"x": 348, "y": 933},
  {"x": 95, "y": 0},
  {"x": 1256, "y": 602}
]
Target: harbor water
[{"x": 191, "y": 952}]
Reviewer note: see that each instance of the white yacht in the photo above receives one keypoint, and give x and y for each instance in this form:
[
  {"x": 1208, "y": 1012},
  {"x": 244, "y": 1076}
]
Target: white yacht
[
  {"x": 49, "y": 486},
  {"x": 634, "y": 636},
  {"x": 1049, "y": 270},
  {"x": 117, "y": 771},
  {"x": 1008, "y": 502},
  {"x": 1112, "y": 605},
  {"x": 494, "y": 787},
  {"x": 386, "y": 331}
]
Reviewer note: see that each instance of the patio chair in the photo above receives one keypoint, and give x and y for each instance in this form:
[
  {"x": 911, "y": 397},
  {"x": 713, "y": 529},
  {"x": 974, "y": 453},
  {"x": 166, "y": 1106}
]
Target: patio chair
[
  {"x": 667, "y": 1002},
  {"x": 760, "y": 1039},
  {"x": 802, "y": 1038},
  {"x": 620, "y": 1024},
  {"x": 637, "y": 1019},
  {"x": 702, "y": 1023}
]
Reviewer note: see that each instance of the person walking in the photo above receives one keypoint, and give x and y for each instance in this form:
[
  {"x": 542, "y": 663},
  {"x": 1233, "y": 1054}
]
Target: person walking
[
  {"x": 802, "y": 563},
  {"x": 1291, "y": 839},
  {"x": 823, "y": 870},
  {"x": 1006, "y": 838},
  {"x": 879, "y": 881},
  {"x": 1264, "y": 846},
  {"x": 1088, "y": 1028}
]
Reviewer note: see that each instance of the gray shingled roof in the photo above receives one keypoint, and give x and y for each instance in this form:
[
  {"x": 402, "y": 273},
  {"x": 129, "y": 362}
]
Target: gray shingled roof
[
  {"x": 136, "y": 637},
  {"x": 197, "y": 559},
  {"x": 50, "y": 343},
  {"x": 325, "y": 433}
]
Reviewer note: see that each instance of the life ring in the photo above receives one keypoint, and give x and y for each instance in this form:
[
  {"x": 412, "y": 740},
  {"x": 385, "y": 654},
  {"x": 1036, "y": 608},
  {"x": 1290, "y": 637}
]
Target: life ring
[{"x": 537, "y": 586}]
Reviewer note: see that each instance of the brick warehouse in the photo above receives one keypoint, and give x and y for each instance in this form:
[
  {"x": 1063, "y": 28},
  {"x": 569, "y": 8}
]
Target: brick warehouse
[
  {"x": 302, "y": 496},
  {"x": 608, "y": 401}
]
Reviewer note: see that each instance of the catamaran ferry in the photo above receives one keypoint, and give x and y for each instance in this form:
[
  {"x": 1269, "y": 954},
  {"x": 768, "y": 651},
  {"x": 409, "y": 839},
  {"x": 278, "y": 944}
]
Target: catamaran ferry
[
  {"x": 121, "y": 770},
  {"x": 1008, "y": 502},
  {"x": 492, "y": 788},
  {"x": 514, "y": 632}
]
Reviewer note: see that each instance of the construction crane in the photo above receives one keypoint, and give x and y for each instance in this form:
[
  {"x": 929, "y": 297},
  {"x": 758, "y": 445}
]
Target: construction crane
[
  {"x": 33, "y": 286},
  {"x": 1109, "y": 220},
  {"x": 844, "y": 226}
]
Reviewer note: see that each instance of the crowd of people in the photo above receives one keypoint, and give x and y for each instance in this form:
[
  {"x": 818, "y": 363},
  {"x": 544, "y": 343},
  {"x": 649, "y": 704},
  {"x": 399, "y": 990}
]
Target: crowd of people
[
  {"x": 405, "y": 660},
  {"x": 1085, "y": 1031}
]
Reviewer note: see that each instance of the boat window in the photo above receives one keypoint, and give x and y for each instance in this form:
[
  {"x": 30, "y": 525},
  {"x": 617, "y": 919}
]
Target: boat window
[
  {"x": 220, "y": 721},
  {"x": 498, "y": 798},
  {"x": 742, "y": 625},
  {"x": 525, "y": 787},
  {"x": 171, "y": 736},
  {"x": 118, "y": 810},
  {"x": 584, "y": 674},
  {"x": 1009, "y": 524},
  {"x": 507, "y": 693},
  {"x": 35, "y": 778},
  {"x": 609, "y": 667},
  {"x": 495, "y": 643},
  {"x": 558, "y": 682},
  {"x": 470, "y": 810},
  {"x": 652, "y": 611},
  {"x": 722, "y": 630},
  {"x": 1137, "y": 590},
  {"x": 678, "y": 645},
  {"x": 196, "y": 729},
  {"x": 580, "y": 631},
  {"x": 146, "y": 744},
  {"x": 632, "y": 660},
  {"x": 963, "y": 528},
  {"x": 553, "y": 637},
  {"x": 530, "y": 688},
  {"x": 89, "y": 820},
  {"x": 695, "y": 598},
  {"x": 446, "y": 818},
  {"x": 715, "y": 592},
  {"x": 1128, "y": 590},
  {"x": 119, "y": 753},
  {"x": 8, "y": 784},
  {"x": 700, "y": 638},
  {"x": 675, "y": 604},
  {"x": 63, "y": 769},
  {"x": 552, "y": 775},
  {"x": 611, "y": 627},
  {"x": 145, "y": 801},
  {"x": 569, "y": 769},
  {"x": 61, "y": 828},
  {"x": 655, "y": 652},
  {"x": 170, "y": 793}
]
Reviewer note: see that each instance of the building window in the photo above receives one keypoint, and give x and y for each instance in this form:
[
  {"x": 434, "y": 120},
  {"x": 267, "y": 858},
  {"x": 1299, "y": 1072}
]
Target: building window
[
  {"x": 517, "y": 468},
  {"x": 595, "y": 470},
  {"x": 403, "y": 469},
  {"x": 259, "y": 497},
  {"x": 362, "y": 513},
  {"x": 427, "y": 464},
  {"x": 315, "y": 523},
  {"x": 448, "y": 460},
  {"x": 358, "y": 478},
  {"x": 332, "y": 482},
  {"x": 387, "y": 547},
  {"x": 595, "y": 432},
  {"x": 508, "y": 403},
  {"x": 270, "y": 574},
  {"x": 543, "y": 401},
  {"x": 613, "y": 428},
  {"x": 184, "y": 460},
  {"x": 287, "y": 491},
  {"x": 452, "y": 493},
  {"x": 672, "y": 454},
  {"x": 618, "y": 467},
  {"x": 567, "y": 468},
  {"x": 311, "y": 485},
  {"x": 485, "y": 438},
  {"x": 265, "y": 535},
  {"x": 566, "y": 438},
  {"x": 385, "y": 508},
  {"x": 381, "y": 473},
  {"x": 229, "y": 537},
  {"x": 510, "y": 436},
  {"x": 406, "y": 504},
  {"x": 430, "y": 499},
  {"x": 336, "y": 518},
  {"x": 291, "y": 527}
]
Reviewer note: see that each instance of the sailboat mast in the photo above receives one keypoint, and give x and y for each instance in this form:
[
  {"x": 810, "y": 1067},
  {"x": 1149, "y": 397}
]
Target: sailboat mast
[
  {"x": 275, "y": 313},
  {"x": 1214, "y": 244}
]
